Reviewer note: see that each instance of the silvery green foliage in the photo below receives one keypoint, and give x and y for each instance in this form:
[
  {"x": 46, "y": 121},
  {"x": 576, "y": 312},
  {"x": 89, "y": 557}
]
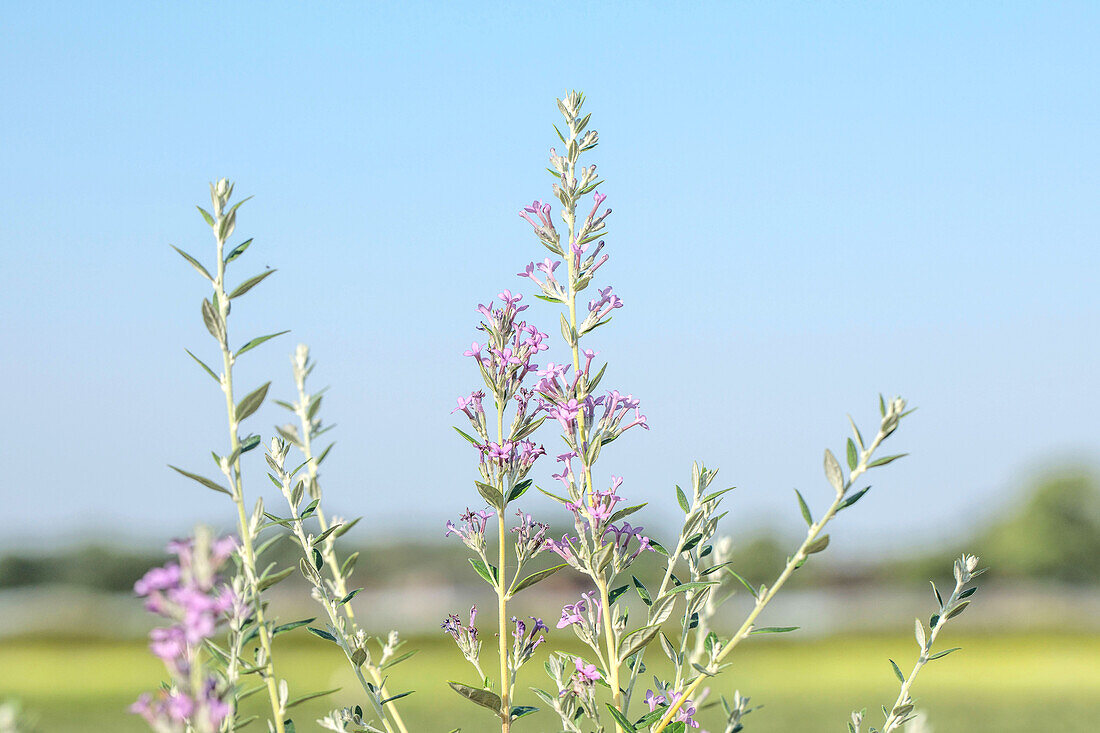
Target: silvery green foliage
[
  {"x": 326, "y": 573},
  {"x": 902, "y": 711},
  {"x": 250, "y": 581}
]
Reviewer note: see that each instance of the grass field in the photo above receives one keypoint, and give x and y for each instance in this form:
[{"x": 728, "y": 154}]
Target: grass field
[{"x": 1001, "y": 684}]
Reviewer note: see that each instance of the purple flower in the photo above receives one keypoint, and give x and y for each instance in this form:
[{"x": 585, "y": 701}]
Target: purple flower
[
  {"x": 571, "y": 614},
  {"x": 586, "y": 672},
  {"x": 466, "y": 637},
  {"x": 472, "y": 531}
]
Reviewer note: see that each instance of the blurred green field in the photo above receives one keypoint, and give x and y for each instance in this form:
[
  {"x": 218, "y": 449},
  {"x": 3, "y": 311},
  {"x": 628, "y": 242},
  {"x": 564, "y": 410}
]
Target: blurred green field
[{"x": 996, "y": 684}]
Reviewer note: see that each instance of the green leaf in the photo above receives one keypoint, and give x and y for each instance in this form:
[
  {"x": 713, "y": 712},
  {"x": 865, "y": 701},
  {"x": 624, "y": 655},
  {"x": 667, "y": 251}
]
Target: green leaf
[
  {"x": 833, "y": 472},
  {"x": 202, "y": 480},
  {"x": 563, "y": 500},
  {"x": 614, "y": 594},
  {"x": 774, "y": 630},
  {"x": 290, "y": 626},
  {"x": 206, "y": 215},
  {"x": 625, "y": 512},
  {"x": 491, "y": 495},
  {"x": 321, "y": 633},
  {"x": 349, "y": 563},
  {"x": 853, "y": 457},
  {"x": 484, "y": 698},
  {"x": 484, "y": 572},
  {"x": 399, "y": 659},
  {"x": 249, "y": 443},
  {"x": 685, "y": 587},
  {"x": 620, "y": 719},
  {"x": 752, "y": 591},
  {"x": 533, "y": 578},
  {"x": 642, "y": 592},
  {"x": 257, "y": 341},
  {"x": 251, "y": 283},
  {"x": 310, "y": 696},
  {"x": 853, "y": 498},
  {"x": 251, "y": 402},
  {"x": 944, "y": 653},
  {"x": 897, "y": 671},
  {"x": 887, "y": 459},
  {"x": 212, "y": 320},
  {"x": 805, "y": 509},
  {"x": 682, "y": 498},
  {"x": 638, "y": 640},
  {"x": 343, "y": 528},
  {"x": 237, "y": 251},
  {"x": 818, "y": 545},
  {"x": 203, "y": 365},
  {"x": 519, "y": 711},
  {"x": 194, "y": 263},
  {"x": 519, "y": 489},
  {"x": 398, "y": 696},
  {"x": 270, "y": 580},
  {"x": 956, "y": 610},
  {"x": 468, "y": 437}
]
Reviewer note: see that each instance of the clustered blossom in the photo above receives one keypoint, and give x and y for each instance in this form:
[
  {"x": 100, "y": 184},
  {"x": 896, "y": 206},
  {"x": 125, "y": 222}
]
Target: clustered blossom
[
  {"x": 683, "y": 715},
  {"x": 592, "y": 516},
  {"x": 505, "y": 361},
  {"x": 513, "y": 457},
  {"x": 584, "y": 617},
  {"x": 601, "y": 426},
  {"x": 472, "y": 530},
  {"x": 544, "y": 227},
  {"x": 525, "y": 641},
  {"x": 530, "y": 537},
  {"x": 583, "y": 679},
  {"x": 469, "y": 643},
  {"x": 188, "y": 593}
]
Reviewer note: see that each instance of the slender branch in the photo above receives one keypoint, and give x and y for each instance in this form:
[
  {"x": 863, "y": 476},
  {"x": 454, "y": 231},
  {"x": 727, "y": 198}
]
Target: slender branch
[
  {"x": 248, "y": 557},
  {"x": 889, "y": 423}
]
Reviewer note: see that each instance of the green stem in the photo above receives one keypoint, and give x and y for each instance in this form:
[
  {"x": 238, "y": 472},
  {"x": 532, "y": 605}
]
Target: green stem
[
  {"x": 248, "y": 555},
  {"x": 792, "y": 564}
]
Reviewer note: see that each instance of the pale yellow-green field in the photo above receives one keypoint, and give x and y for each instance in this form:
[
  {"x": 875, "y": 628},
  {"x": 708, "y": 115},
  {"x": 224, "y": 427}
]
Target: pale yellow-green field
[{"x": 996, "y": 684}]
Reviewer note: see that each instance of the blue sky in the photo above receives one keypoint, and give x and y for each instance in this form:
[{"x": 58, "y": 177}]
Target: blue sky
[{"x": 812, "y": 204}]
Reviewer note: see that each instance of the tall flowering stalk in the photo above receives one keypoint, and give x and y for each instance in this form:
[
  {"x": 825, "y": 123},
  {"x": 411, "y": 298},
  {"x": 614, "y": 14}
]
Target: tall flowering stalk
[
  {"x": 251, "y": 581},
  {"x": 604, "y": 545},
  {"x": 320, "y": 564},
  {"x": 505, "y": 457}
]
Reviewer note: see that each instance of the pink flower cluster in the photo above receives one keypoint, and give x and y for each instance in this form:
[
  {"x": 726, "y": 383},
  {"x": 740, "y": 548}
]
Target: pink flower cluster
[{"x": 189, "y": 593}]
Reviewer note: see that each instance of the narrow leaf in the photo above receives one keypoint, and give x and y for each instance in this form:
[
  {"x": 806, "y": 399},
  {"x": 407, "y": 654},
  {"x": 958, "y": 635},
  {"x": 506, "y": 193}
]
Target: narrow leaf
[
  {"x": 202, "y": 480},
  {"x": 251, "y": 402},
  {"x": 251, "y": 283},
  {"x": 535, "y": 578},
  {"x": 194, "y": 263},
  {"x": 833, "y": 472},
  {"x": 257, "y": 341},
  {"x": 805, "y": 509}
]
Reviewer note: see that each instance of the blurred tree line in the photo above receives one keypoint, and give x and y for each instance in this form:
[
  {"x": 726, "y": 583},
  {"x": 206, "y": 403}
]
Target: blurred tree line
[{"x": 1051, "y": 534}]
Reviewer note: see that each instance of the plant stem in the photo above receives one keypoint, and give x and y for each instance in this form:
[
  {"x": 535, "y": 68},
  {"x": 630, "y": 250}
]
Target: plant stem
[
  {"x": 327, "y": 551},
  {"x": 792, "y": 564},
  {"x": 894, "y": 720},
  {"x": 248, "y": 555},
  {"x": 502, "y": 597}
]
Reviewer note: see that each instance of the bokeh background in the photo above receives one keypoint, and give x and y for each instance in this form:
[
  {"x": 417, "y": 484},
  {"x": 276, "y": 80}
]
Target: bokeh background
[{"x": 813, "y": 204}]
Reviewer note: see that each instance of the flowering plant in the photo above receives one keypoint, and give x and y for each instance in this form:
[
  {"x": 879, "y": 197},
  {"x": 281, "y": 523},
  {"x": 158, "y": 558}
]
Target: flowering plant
[{"x": 220, "y": 632}]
